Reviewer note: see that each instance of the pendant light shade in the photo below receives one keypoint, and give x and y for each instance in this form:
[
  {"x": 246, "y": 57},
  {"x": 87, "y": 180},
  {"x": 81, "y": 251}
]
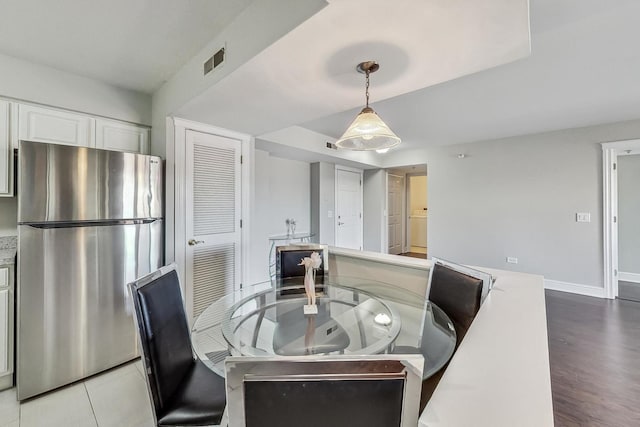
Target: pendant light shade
[{"x": 368, "y": 131}]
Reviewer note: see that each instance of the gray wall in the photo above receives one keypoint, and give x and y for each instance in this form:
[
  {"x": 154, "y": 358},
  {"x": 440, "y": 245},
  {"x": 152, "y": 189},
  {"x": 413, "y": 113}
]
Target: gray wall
[
  {"x": 374, "y": 204},
  {"x": 323, "y": 202},
  {"x": 281, "y": 192},
  {"x": 519, "y": 197},
  {"x": 629, "y": 214}
]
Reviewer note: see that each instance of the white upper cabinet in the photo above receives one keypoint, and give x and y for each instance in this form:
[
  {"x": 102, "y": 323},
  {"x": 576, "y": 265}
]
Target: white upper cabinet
[
  {"x": 43, "y": 124},
  {"x": 119, "y": 136},
  {"x": 6, "y": 158}
]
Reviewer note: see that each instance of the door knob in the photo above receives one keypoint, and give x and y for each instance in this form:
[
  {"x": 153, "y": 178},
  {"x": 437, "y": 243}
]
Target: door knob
[{"x": 194, "y": 242}]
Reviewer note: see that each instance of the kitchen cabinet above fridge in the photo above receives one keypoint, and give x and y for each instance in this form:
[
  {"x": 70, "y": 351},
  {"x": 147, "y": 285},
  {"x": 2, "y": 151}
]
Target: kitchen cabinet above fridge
[{"x": 30, "y": 122}]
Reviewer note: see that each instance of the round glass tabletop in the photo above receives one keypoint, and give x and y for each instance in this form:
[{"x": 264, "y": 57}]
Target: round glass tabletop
[{"x": 355, "y": 316}]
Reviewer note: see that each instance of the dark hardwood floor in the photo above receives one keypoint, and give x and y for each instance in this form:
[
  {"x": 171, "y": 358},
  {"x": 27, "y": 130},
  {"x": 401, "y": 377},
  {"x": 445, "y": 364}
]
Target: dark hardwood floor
[
  {"x": 594, "y": 352},
  {"x": 414, "y": 255}
]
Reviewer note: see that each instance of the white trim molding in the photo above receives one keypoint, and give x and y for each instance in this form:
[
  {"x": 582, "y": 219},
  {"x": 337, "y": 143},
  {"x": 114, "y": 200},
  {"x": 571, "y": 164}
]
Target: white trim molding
[
  {"x": 175, "y": 197},
  {"x": 610, "y": 153},
  {"x": 575, "y": 288},
  {"x": 629, "y": 277}
]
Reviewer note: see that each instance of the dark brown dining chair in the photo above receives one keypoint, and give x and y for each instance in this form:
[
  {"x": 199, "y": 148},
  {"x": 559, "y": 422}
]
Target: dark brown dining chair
[
  {"x": 183, "y": 391},
  {"x": 289, "y": 273},
  {"x": 288, "y": 257},
  {"x": 458, "y": 294},
  {"x": 458, "y": 291}
]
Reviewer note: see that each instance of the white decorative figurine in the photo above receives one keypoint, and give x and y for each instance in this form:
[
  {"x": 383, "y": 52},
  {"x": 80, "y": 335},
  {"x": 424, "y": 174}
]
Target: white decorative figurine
[{"x": 311, "y": 263}]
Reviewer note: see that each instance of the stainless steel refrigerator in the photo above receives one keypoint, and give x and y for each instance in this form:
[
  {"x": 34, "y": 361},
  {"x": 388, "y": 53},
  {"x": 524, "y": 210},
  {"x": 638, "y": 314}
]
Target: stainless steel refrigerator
[{"x": 90, "y": 221}]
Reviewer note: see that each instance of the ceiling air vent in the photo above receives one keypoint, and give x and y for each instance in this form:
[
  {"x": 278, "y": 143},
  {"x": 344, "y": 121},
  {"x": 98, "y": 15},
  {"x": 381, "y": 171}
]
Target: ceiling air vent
[
  {"x": 214, "y": 62},
  {"x": 331, "y": 146}
]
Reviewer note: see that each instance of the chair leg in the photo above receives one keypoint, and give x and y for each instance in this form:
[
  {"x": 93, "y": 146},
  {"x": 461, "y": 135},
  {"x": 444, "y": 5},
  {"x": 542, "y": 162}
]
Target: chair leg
[{"x": 428, "y": 387}]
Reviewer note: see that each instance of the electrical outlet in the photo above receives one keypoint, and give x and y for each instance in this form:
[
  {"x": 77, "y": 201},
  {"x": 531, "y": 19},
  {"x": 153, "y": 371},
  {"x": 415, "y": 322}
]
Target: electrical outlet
[
  {"x": 512, "y": 260},
  {"x": 583, "y": 217}
]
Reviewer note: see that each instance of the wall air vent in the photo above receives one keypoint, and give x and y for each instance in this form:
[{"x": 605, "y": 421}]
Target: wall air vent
[
  {"x": 332, "y": 146},
  {"x": 215, "y": 61}
]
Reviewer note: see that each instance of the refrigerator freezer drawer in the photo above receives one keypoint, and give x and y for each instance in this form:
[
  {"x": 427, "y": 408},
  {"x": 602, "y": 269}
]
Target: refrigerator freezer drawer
[{"x": 74, "y": 309}]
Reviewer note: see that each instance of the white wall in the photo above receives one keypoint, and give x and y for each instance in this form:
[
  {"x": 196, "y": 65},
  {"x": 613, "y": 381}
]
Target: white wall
[
  {"x": 282, "y": 189},
  {"x": 259, "y": 25},
  {"x": 519, "y": 197},
  {"x": 629, "y": 214},
  {"x": 28, "y": 81}
]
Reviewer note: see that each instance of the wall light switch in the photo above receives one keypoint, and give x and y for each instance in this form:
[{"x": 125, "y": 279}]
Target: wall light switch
[
  {"x": 512, "y": 260},
  {"x": 583, "y": 217},
  {"x": 329, "y": 214}
]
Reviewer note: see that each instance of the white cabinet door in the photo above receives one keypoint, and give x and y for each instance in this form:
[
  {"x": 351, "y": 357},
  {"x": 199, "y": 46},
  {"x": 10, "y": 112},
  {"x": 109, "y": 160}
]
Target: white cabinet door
[
  {"x": 118, "y": 136},
  {"x": 42, "y": 124},
  {"x": 213, "y": 211},
  {"x": 6, "y": 157},
  {"x": 4, "y": 331}
]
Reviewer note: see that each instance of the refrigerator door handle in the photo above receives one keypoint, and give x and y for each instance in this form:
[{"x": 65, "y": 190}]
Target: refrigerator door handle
[{"x": 49, "y": 225}]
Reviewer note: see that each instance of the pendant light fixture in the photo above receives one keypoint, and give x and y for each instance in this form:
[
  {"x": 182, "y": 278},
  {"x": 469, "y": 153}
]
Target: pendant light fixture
[{"x": 368, "y": 131}]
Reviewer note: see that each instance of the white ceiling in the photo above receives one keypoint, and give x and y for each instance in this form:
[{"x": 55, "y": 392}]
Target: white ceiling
[
  {"x": 134, "y": 44},
  {"x": 583, "y": 70},
  {"x": 310, "y": 72}
]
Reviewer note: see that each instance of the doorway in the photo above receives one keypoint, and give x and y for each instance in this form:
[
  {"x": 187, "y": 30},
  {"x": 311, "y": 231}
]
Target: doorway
[
  {"x": 406, "y": 210},
  {"x": 207, "y": 205},
  {"x": 621, "y": 172},
  {"x": 629, "y": 225},
  {"x": 417, "y": 210}
]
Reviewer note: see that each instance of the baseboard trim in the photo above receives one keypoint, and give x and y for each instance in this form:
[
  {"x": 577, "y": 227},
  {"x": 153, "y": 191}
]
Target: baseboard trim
[
  {"x": 629, "y": 277},
  {"x": 574, "y": 288}
]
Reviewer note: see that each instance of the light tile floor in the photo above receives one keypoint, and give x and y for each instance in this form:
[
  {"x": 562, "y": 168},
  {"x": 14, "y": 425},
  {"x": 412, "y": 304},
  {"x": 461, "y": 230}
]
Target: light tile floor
[{"x": 116, "y": 398}]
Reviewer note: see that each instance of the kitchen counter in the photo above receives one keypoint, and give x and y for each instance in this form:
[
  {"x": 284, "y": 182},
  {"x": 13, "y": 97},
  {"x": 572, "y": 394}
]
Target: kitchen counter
[{"x": 8, "y": 246}]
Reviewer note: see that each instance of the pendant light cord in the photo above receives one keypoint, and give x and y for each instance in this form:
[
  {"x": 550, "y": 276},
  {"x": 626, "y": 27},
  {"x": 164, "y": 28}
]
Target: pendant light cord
[{"x": 367, "y": 89}]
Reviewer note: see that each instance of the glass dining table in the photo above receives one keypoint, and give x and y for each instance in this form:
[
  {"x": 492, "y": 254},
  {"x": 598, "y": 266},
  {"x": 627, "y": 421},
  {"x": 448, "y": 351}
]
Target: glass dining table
[{"x": 355, "y": 316}]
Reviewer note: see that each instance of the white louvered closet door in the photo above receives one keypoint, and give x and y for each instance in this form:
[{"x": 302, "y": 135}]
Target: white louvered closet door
[{"x": 213, "y": 197}]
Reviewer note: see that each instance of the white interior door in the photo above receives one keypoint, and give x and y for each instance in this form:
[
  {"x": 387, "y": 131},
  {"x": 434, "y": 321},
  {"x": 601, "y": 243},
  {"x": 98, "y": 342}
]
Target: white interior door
[
  {"x": 348, "y": 209},
  {"x": 394, "y": 208},
  {"x": 213, "y": 214}
]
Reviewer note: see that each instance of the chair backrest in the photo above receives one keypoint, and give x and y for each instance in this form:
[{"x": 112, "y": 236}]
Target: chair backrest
[
  {"x": 288, "y": 258},
  {"x": 163, "y": 331},
  {"x": 458, "y": 294},
  {"x": 374, "y": 391},
  {"x": 487, "y": 279}
]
